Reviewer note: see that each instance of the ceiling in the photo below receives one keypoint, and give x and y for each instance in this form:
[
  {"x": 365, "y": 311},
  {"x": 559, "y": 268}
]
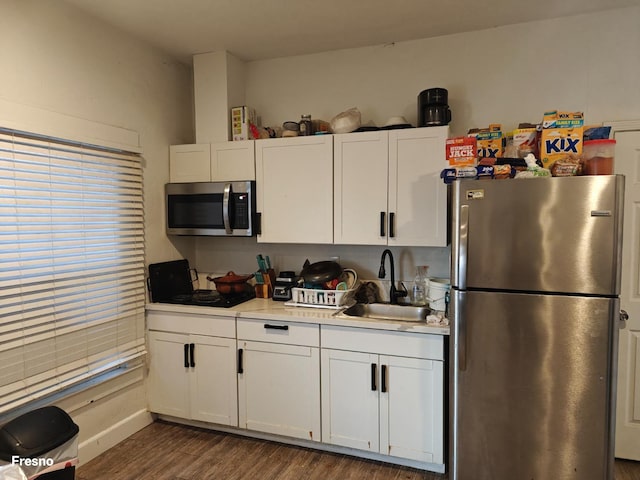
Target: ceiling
[{"x": 262, "y": 29}]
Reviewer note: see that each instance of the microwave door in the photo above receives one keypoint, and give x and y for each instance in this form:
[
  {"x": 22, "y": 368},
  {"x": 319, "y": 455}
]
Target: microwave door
[{"x": 198, "y": 214}]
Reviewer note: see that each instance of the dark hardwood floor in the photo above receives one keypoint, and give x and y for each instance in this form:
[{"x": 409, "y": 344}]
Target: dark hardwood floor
[{"x": 165, "y": 451}]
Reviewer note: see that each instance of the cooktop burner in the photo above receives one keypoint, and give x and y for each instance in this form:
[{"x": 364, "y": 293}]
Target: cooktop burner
[{"x": 211, "y": 298}]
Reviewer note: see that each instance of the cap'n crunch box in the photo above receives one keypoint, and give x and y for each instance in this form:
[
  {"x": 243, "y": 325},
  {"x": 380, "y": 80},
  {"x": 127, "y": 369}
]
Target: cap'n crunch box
[
  {"x": 561, "y": 136},
  {"x": 461, "y": 151}
]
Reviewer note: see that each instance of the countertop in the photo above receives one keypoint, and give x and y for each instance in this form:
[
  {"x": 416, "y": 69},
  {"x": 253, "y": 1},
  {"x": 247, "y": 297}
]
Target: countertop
[{"x": 267, "y": 309}]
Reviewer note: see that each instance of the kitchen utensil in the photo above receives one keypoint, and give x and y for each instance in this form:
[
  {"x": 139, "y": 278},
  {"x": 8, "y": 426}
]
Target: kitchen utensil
[
  {"x": 320, "y": 272},
  {"x": 262, "y": 264},
  {"x": 349, "y": 282},
  {"x": 291, "y": 126},
  {"x": 231, "y": 283},
  {"x": 396, "y": 122},
  {"x": 347, "y": 121}
]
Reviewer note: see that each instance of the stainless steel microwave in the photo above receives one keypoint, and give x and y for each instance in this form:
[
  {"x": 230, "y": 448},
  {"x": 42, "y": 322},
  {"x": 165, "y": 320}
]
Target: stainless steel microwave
[{"x": 211, "y": 208}]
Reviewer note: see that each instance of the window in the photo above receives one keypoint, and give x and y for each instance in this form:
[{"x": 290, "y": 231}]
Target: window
[{"x": 71, "y": 264}]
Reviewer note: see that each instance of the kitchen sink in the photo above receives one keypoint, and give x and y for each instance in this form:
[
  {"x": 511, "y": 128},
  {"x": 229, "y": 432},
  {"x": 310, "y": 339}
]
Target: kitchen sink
[{"x": 386, "y": 311}]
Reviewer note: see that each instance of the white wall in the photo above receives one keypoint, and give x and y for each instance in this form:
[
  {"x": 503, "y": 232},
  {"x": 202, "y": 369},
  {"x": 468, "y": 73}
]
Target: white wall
[
  {"x": 59, "y": 60},
  {"x": 505, "y": 75}
]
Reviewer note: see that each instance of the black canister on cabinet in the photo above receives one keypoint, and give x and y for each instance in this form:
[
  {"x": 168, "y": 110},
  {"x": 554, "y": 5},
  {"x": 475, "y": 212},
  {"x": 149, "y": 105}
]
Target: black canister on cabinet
[{"x": 433, "y": 108}]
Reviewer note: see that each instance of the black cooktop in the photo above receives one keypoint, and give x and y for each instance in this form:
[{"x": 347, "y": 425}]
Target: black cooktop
[
  {"x": 211, "y": 298},
  {"x": 172, "y": 282}
]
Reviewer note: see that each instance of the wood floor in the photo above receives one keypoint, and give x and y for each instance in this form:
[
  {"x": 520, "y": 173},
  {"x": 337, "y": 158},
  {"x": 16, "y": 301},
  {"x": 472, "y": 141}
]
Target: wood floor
[{"x": 165, "y": 451}]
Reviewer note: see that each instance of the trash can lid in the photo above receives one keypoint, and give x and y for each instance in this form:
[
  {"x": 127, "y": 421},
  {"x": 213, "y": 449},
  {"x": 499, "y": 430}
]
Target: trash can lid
[{"x": 36, "y": 432}]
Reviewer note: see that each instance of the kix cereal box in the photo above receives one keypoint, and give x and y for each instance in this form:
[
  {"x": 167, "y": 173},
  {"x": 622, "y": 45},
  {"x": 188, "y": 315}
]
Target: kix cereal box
[
  {"x": 490, "y": 141},
  {"x": 461, "y": 151},
  {"x": 561, "y": 136}
]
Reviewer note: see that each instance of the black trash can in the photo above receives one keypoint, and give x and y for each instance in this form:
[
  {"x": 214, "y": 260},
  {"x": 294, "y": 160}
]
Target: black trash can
[{"x": 43, "y": 442}]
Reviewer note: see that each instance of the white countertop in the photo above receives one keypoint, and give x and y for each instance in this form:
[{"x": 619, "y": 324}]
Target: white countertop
[{"x": 267, "y": 309}]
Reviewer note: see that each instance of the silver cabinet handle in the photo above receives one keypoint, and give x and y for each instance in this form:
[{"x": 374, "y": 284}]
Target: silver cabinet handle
[{"x": 225, "y": 208}]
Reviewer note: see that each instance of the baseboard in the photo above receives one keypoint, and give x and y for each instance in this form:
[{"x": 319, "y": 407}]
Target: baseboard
[
  {"x": 103, "y": 441},
  {"x": 432, "y": 467}
]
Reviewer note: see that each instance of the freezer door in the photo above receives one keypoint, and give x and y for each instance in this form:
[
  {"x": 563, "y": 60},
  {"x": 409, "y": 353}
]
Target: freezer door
[
  {"x": 533, "y": 378},
  {"x": 547, "y": 235}
]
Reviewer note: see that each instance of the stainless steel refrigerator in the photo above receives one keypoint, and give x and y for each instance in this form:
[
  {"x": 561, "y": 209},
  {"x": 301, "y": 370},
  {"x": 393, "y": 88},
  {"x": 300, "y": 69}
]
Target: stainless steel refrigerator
[{"x": 535, "y": 315}]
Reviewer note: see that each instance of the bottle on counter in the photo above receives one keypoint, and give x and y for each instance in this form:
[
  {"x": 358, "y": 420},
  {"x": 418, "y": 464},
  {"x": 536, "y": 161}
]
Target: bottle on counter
[
  {"x": 419, "y": 290},
  {"x": 305, "y": 125}
]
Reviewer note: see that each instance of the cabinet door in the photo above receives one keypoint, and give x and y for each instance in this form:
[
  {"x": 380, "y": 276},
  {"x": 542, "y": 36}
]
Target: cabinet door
[
  {"x": 417, "y": 194},
  {"x": 233, "y": 161},
  {"x": 350, "y": 389},
  {"x": 294, "y": 179},
  {"x": 361, "y": 163},
  {"x": 213, "y": 380},
  {"x": 190, "y": 163},
  {"x": 279, "y": 389},
  {"x": 168, "y": 377},
  {"x": 411, "y": 409}
]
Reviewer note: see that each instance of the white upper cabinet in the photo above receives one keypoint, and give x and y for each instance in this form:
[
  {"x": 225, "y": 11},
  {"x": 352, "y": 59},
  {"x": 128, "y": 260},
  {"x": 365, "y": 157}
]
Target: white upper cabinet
[
  {"x": 294, "y": 183},
  {"x": 215, "y": 162},
  {"x": 233, "y": 161},
  {"x": 417, "y": 194},
  {"x": 361, "y": 166},
  {"x": 387, "y": 187},
  {"x": 190, "y": 163}
]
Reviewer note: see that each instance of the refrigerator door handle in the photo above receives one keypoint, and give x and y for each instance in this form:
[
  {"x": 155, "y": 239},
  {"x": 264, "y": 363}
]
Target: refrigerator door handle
[
  {"x": 460, "y": 322},
  {"x": 463, "y": 244}
]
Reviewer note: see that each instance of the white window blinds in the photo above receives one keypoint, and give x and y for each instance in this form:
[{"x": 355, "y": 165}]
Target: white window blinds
[{"x": 71, "y": 264}]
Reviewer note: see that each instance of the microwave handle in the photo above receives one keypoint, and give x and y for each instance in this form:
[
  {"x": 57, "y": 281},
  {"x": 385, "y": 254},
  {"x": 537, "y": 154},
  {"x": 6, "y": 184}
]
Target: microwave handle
[{"x": 225, "y": 208}]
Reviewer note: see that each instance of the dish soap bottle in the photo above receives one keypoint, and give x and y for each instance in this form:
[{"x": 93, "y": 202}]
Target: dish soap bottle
[{"x": 419, "y": 291}]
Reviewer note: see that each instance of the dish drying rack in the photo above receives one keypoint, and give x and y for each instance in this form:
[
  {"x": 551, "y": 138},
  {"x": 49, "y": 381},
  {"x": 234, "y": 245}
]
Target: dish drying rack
[{"x": 313, "y": 297}]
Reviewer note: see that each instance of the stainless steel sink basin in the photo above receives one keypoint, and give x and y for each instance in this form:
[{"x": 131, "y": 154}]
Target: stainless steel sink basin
[{"x": 386, "y": 311}]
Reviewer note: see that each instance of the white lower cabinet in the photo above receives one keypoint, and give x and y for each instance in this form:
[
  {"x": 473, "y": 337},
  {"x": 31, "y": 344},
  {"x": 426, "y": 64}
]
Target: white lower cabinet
[
  {"x": 389, "y": 404},
  {"x": 192, "y": 376},
  {"x": 279, "y": 378},
  {"x": 376, "y": 391}
]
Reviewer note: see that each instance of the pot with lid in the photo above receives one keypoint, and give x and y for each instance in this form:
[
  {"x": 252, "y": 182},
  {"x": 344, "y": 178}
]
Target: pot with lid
[{"x": 231, "y": 283}]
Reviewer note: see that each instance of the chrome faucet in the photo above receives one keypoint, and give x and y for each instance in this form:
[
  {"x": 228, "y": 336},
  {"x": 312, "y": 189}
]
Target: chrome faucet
[{"x": 394, "y": 294}]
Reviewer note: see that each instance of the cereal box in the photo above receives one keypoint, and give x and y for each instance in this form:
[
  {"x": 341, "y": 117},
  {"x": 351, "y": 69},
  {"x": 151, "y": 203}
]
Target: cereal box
[
  {"x": 241, "y": 118},
  {"x": 490, "y": 141},
  {"x": 461, "y": 151},
  {"x": 523, "y": 141},
  {"x": 561, "y": 136}
]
